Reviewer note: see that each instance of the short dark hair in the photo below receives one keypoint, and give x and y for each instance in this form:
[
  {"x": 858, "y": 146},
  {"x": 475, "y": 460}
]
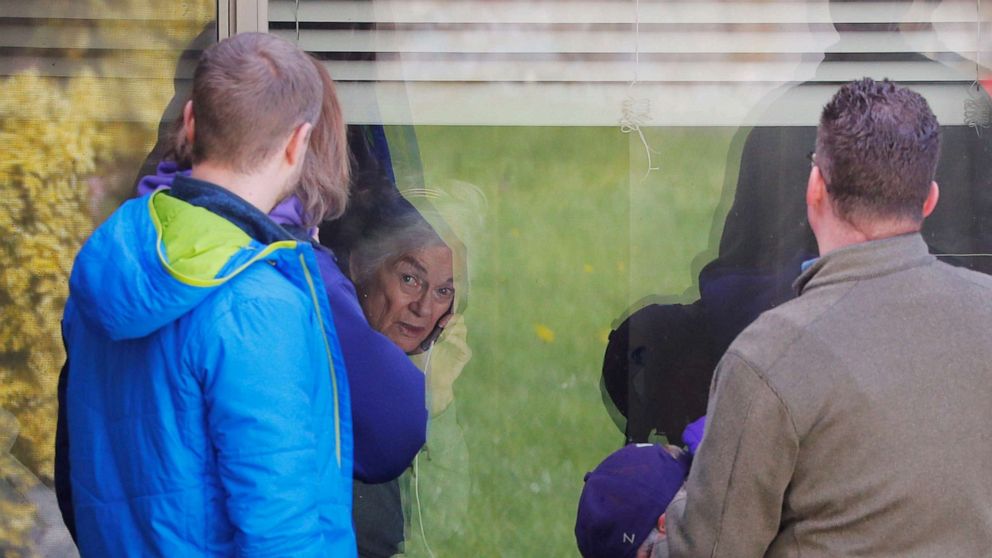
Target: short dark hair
[
  {"x": 250, "y": 92},
  {"x": 877, "y": 148}
]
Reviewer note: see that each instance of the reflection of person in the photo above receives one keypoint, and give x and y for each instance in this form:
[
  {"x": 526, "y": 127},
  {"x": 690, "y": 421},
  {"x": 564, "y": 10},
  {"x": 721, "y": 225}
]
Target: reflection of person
[
  {"x": 404, "y": 273},
  {"x": 766, "y": 235},
  {"x": 661, "y": 360},
  {"x": 235, "y": 437},
  {"x": 841, "y": 418},
  {"x": 657, "y": 368}
]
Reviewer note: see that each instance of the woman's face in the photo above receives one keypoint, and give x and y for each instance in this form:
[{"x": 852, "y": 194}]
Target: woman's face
[{"x": 408, "y": 295}]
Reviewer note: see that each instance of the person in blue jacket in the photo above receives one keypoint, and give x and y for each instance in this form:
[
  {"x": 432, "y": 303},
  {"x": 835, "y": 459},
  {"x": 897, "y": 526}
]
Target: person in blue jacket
[
  {"x": 207, "y": 407},
  {"x": 389, "y": 425}
]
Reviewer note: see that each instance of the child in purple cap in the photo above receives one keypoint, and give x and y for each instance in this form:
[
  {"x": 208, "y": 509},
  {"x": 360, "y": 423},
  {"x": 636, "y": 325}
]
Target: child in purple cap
[
  {"x": 622, "y": 507},
  {"x": 623, "y": 498}
]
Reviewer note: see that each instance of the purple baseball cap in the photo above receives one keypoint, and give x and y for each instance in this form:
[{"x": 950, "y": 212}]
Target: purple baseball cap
[{"x": 623, "y": 498}]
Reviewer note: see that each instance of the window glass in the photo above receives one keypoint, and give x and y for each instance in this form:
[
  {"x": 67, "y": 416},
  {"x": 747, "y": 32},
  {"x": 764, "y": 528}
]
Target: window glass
[
  {"x": 85, "y": 84},
  {"x": 624, "y": 184},
  {"x": 603, "y": 193}
]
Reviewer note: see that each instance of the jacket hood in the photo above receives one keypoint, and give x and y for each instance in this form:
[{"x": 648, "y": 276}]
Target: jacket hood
[{"x": 155, "y": 259}]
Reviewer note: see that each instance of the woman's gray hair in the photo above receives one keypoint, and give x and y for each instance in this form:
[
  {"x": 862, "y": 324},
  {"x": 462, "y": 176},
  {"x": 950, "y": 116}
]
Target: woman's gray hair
[{"x": 388, "y": 242}]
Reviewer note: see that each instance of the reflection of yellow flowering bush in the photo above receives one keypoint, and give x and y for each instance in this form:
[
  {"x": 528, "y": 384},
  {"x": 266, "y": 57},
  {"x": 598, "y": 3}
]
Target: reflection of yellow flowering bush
[
  {"x": 65, "y": 143},
  {"x": 16, "y": 513},
  {"x": 50, "y": 145}
]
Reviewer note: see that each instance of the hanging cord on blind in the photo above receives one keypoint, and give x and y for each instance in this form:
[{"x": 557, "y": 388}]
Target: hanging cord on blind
[
  {"x": 296, "y": 16},
  {"x": 978, "y": 109},
  {"x": 636, "y": 112}
]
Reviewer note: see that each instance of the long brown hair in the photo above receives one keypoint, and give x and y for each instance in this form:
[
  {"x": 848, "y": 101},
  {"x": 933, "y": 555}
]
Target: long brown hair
[{"x": 324, "y": 184}]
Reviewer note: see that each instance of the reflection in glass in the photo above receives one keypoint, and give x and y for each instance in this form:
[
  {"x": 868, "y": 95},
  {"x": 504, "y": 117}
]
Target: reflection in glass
[
  {"x": 525, "y": 102},
  {"x": 84, "y": 84},
  {"x": 766, "y": 238}
]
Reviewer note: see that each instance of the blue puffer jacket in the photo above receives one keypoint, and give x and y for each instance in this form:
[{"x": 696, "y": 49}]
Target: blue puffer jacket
[
  {"x": 388, "y": 410},
  {"x": 207, "y": 402}
]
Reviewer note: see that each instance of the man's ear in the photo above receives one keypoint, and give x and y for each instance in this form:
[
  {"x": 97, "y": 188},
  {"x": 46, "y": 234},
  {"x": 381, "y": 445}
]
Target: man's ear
[
  {"x": 816, "y": 188},
  {"x": 931, "y": 202},
  {"x": 296, "y": 149},
  {"x": 189, "y": 122}
]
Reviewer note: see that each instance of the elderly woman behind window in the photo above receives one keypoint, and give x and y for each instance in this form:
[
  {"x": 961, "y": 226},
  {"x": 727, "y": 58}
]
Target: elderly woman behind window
[
  {"x": 404, "y": 277},
  {"x": 405, "y": 272}
]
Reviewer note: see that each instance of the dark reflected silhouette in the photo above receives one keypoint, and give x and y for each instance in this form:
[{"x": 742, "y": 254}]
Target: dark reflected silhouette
[{"x": 660, "y": 361}]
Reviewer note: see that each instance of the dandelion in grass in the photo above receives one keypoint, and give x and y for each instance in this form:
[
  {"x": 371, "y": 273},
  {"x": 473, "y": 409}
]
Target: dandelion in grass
[{"x": 544, "y": 333}]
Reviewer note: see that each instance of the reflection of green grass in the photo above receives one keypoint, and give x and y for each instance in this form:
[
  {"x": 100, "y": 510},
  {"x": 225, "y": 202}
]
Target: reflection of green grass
[{"x": 572, "y": 237}]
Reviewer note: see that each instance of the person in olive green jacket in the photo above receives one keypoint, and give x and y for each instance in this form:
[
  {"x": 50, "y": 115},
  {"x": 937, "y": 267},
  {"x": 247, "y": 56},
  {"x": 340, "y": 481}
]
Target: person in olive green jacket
[{"x": 855, "y": 420}]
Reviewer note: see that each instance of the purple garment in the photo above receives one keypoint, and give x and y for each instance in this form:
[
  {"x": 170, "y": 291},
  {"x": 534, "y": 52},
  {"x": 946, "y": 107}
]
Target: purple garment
[
  {"x": 693, "y": 434},
  {"x": 389, "y": 416},
  {"x": 289, "y": 212},
  {"x": 164, "y": 173}
]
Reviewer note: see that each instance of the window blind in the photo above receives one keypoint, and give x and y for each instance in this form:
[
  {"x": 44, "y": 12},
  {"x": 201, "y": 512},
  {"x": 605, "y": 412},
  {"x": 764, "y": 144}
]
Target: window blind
[
  {"x": 575, "y": 62},
  {"x": 133, "y": 50}
]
